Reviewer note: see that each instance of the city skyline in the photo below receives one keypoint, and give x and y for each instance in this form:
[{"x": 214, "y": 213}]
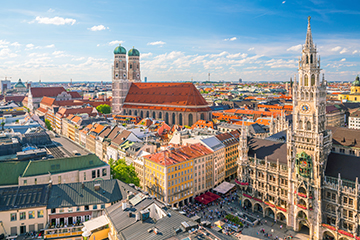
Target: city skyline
[{"x": 177, "y": 41}]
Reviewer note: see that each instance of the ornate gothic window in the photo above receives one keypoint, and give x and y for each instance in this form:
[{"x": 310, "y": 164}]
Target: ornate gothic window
[
  {"x": 311, "y": 58},
  {"x": 306, "y": 80},
  {"x": 308, "y": 126},
  {"x": 307, "y": 59},
  {"x": 300, "y": 124},
  {"x": 312, "y": 80},
  {"x": 190, "y": 119},
  {"x": 304, "y": 164}
]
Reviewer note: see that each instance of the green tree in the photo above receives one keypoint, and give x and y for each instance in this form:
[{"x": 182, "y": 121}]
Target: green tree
[
  {"x": 125, "y": 173},
  {"x": 48, "y": 124},
  {"x": 104, "y": 109}
]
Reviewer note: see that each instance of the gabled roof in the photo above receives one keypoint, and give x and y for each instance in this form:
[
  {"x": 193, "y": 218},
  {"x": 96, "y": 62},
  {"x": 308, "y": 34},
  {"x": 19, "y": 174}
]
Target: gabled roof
[
  {"x": 177, "y": 155},
  {"x": 59, "y": 165},
  {"x": 75, "y": 94},
  {"x": 176, "y": 94},
  {"x": 73, "y": 194},
  {"x": 38, "y": 92},
  {"x": 47, "y": 101}
]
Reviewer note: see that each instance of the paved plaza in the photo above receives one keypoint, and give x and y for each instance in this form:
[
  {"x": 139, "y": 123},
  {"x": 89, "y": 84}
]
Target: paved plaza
[{"x": 268, "y": 229}]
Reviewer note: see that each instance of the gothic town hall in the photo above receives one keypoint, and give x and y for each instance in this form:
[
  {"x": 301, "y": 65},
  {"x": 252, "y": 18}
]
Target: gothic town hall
[{"x": 310, "y": 180}]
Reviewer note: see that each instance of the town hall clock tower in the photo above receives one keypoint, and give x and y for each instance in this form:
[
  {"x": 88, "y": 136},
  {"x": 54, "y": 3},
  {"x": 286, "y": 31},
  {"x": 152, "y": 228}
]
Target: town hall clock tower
[{"x": 308, "y": 143}]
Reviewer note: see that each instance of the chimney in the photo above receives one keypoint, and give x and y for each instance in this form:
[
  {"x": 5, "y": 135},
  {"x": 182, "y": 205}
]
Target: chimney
[
  {"x": 82, "y": 185},
  {"x": 50, "y": 183},
  {"x": 97, "y": 186}
]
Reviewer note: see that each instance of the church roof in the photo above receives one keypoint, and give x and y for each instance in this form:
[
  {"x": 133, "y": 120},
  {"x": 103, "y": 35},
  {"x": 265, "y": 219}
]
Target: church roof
[
  {"x": 46, "y": 91},
  {"x": 170, "y": 94}
]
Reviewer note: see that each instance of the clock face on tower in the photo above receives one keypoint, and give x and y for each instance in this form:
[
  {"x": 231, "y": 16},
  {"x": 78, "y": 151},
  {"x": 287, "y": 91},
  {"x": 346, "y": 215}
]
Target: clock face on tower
[
  {"x": 137, "y": 75},
  {"x": 305, "y": 108},
  {"x": 116, "y": 75},
  {"x": 124, "y": 75}
]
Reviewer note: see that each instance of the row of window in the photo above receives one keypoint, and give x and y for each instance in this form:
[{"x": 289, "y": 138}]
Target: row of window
[
  {"x": 22, "y": 215},
  {"x": 86, "y": 208}
]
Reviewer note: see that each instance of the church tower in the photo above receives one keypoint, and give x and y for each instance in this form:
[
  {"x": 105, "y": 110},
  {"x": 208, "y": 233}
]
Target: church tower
[
  {"x": 308, "y": 143},
  {"x": 134, "y": 65},
  {"x": 120, "y": 83}
]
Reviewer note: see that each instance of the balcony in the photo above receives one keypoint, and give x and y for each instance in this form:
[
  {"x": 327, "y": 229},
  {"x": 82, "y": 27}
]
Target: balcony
[{"x": 55, "y": 233}]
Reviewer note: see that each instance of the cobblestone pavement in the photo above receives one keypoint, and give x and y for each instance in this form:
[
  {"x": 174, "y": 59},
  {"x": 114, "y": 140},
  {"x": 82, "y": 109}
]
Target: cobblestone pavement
[{"x": 252, "y": 233}]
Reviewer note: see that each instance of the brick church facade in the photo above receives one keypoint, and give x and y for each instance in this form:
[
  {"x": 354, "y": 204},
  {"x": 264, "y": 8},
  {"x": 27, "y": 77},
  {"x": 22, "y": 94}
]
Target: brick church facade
[{"x": 175, "y": 103}]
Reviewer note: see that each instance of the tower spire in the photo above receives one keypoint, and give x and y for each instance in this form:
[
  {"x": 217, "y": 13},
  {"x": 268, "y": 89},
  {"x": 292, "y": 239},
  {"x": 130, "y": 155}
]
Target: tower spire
[{"x": 309, "y": 41}]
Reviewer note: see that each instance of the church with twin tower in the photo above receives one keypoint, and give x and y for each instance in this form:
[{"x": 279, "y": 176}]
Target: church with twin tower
[{"x": 177, "y": 103}]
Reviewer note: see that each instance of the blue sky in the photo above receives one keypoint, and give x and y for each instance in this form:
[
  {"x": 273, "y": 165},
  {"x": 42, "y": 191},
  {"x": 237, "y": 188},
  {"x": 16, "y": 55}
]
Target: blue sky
[{"x": 258, "y": 40}]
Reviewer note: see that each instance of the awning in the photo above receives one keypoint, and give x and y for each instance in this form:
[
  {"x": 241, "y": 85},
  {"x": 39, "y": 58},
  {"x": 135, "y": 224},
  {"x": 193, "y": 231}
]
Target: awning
[
  {"x": 224, "y": 187},
  {"x": 73, "y": 214},
  {"x": 96, "y": 223},
  {"x": 207, "y": 197}
]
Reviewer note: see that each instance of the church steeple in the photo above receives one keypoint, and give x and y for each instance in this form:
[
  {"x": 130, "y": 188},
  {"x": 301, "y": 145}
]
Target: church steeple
[{"x": 309, "y": 44}]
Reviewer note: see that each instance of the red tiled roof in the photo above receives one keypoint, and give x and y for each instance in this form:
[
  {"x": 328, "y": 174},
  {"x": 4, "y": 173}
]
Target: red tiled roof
[
  {"x": 14, "y": 98},
  {"x": 46, "y": 91},
  {"x": 181, "y": 154},
  {"x": 178, "y": 94},
  {"x": 75, "y": 94},
  {"x": 66, "y": 111},
  {"x": 47, "y": 101},
  {"x": 205, "y": 109}
]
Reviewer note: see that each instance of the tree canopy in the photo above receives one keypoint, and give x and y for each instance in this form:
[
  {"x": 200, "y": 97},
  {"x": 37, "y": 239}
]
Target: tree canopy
[
  {"x": 125, "y": 173},
  {"x": 104, "y": 109},
  {"x": 48, "y": 124}
]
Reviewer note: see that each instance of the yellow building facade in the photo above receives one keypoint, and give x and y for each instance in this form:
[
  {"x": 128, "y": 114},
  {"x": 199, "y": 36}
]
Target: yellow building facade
[{"x": 354, "y": 95}]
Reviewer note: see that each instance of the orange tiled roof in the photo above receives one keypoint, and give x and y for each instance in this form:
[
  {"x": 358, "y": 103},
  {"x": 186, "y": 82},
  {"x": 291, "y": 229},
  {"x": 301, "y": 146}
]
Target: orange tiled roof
[
  {"x": 43, "y": 110},
  {"x": 178, "y": 155},
  {"x": 203, "y": 124},
  {"x": 47, "y": 101}
]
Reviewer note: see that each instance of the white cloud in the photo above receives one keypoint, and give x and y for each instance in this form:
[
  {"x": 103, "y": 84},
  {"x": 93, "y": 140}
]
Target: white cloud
[
  {"x": 230, "y": 39},
  {"x": 116, "y": 42},
  {"x": 98, "y": 45},
  {"x": 50, "y": 46},
  {"x": 283, "y": 2},
  {"x": 156, "y": 43},
  {"x": 146, "y": 55},
  {"x": 343, "y": 51},
  {"x": 237, "y": 55},
  {"x": 4, "y": 43},
  {"x": 78, "y": 59},
  {"x": 355, "y": 51},
  {"x": 51, "y": 10},
  {"x": 343, "y": 60},
  {"x": 98, "y": 28},
  {"x": 15, "y": 44},
  {"x": 54, "y": 20},
  {"x": 30, "y": 46},
  {"x": 335, "y": 49},
  {"x": 57, "y": 52},
  {"x": 38, "y": 54},
  {"x": 250, "y": 49},
  {"x": 295, "y": 48},
  {"x": 6, "y": 52}
]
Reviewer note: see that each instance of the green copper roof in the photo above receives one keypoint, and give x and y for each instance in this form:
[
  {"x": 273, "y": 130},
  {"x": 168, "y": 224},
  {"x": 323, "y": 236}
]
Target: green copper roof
[
  {"x": 10, "y": 171},
  {"x": 59, "y": 165},
  {"x": 357, "y": 81},
  {"x": 134, "y": 52},
  {"x": 19, "y": 84},
  {"x": 119, "y": 50}
]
